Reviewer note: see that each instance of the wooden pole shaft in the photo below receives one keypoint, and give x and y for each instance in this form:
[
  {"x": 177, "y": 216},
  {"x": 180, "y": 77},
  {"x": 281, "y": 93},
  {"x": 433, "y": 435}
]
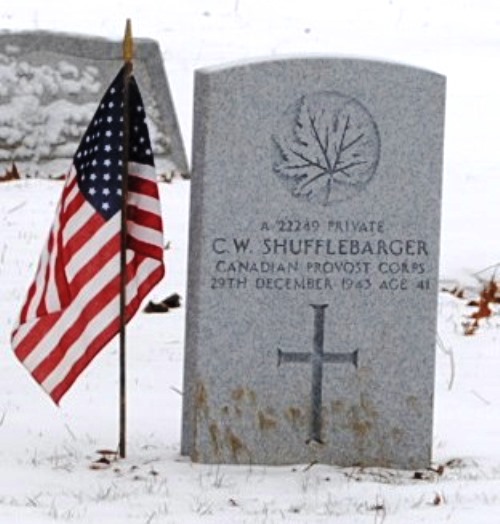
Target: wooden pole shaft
[{"x": 127, "y": 55}]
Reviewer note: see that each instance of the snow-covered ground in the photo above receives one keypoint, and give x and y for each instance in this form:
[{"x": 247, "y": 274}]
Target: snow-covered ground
[{"x": 46, "y": 452}]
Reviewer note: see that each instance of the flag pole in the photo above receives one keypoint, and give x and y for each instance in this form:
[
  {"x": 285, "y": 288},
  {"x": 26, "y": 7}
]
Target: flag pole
[{"x": 128, "y": 55}]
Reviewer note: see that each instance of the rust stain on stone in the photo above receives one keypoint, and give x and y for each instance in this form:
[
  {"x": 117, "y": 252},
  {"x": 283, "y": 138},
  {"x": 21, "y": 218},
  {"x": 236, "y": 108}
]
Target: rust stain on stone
[
  {"x": 397, "y": 435},
  {"x": 235, "y": 444},
  {"x": 241, "y": 394},
  {"x": 266, "y": 422},
  {"x": 201, "y": 399},
  {"x": 252, "y": 396},
  {"x": 413, "y": 403},
  {"x": 361, "y": 427},
  {"x": 337, "y": 406},
  {"x": 295, "y": 416},
  {"x": 214, "y": 437},
  {"x": 238, "y": 394}
]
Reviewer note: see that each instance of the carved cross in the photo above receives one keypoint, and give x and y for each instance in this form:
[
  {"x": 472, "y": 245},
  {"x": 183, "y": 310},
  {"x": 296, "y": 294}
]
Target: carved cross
[{"x": 317, "y": 358}]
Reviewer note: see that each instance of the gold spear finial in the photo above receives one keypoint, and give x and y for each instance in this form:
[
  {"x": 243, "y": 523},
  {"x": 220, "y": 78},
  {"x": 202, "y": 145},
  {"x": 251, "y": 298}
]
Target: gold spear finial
[{"x": 128, "y": 43}]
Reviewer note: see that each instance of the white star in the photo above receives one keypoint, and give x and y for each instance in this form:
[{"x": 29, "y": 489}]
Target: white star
[
  {"x": 119, "y": 191},
  {"x": 94, "y": 162},
  {"x": 148, "y": 151},
  {"x": 106, "y": 176},
  {"x": 92, "y": 191},
  {"x": 107, "y": 162},
  {"x": 105, "y": 206},
  {"x": 111, "y": 104},
  {"x": 113, "y": 91},
  {"x": 93, "y": 176},
  {"x": 105, "y": 191},
  {"x": 109, "y": 119},
  {"x": 139, "y": 109},
  {"x": 141, "y": 140},
  {"x": 107, "y": 147},
  {"x": 109, "y": 133}
]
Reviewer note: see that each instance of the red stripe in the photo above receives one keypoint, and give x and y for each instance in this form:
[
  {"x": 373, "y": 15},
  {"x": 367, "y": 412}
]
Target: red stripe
[
  {"x": 40, "y": 327},
  {"x": 144, "y": 218},
  {"x": 102, "y": 257},
  {"x": 87, "y": 231},
  {"x": 31, "y": 294},
  {"x": 143, "y": 186},
  {"x": 105, "y": 336},
  {"x": 41, "y": 309},
  {"x": 145, "y": 248},
  {"x": 72, "y": 208},
  {"x": 97, "y": 345},
  {"x": 60, "y": 274},
  {"x": 73, "y": 332}
]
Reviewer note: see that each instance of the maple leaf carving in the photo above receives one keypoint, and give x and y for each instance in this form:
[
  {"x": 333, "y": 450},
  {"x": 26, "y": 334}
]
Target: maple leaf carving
[{"x": 330, "y": 152}]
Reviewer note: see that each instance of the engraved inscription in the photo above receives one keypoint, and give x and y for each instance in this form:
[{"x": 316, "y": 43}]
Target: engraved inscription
[
  {"x": 317, "y": 358},
  {"x": 339, "y": 255},
  {"x": 327, "y": 149}
]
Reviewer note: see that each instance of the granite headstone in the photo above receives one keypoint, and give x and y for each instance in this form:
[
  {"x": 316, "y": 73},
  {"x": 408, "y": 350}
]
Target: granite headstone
[
  {"x": 50, "y": 84},
  {"x": 313, "y": 263}
]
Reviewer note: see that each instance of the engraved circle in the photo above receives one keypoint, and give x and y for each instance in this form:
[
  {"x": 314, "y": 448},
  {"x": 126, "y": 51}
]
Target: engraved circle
[{"x": 327, "y": 148}]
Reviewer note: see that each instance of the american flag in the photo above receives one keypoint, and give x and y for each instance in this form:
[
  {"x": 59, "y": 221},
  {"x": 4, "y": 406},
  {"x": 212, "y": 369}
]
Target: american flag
[{"x": 72, "y": 308}]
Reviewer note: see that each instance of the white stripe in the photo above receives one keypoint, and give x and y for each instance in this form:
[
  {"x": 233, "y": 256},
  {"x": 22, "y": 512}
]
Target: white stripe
[
  {"x": 71, "y": 313},
  {"x": 52, "y": 301},
  {"x": 145, "y": 234},
  {"x": 77, "y": 221},
  {"x": 39, "y": 281},
  {"x": 73, "y": 193},
  {"x": 23, "y": 330},
  {"x": 47, "y": 261},
  {"x": 142, "y": 171},
  {"x": 96, "y": 326},
  {"x": 144, "y": 202},
  {"x": 89, "y": 249}
]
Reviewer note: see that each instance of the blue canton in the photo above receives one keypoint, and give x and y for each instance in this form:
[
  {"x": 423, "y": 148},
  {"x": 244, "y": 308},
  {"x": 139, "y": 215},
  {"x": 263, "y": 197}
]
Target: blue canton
[{"x": 99, "y": 158}]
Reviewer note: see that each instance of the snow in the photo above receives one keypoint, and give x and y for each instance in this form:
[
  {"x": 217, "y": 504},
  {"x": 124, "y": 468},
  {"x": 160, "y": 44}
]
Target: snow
[{"x": 46, "y": 452}]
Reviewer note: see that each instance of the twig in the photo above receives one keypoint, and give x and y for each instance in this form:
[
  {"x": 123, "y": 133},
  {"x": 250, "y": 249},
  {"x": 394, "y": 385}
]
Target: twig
[
  {"x": 16, "y": 208},
  {"x": 493, "y": 266},
  {"x": 451, "y": 356},
  {"x": 482, "y": 399},
  {"x": 176, "y": 390},
  {"x": 310, "y": 465},
  {"x": 68, "y": 429}
]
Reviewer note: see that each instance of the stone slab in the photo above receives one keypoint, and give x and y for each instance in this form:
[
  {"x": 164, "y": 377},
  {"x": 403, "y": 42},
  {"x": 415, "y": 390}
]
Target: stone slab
[
  {"x": 50, "y": 84},
  {"x": 313, "y": 263}
]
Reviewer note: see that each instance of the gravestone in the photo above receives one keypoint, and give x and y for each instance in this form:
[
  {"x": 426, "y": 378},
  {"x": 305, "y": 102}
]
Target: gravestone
[
  {"x": 313, "y": 263},
  {"x": 50, "y": 84}
]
